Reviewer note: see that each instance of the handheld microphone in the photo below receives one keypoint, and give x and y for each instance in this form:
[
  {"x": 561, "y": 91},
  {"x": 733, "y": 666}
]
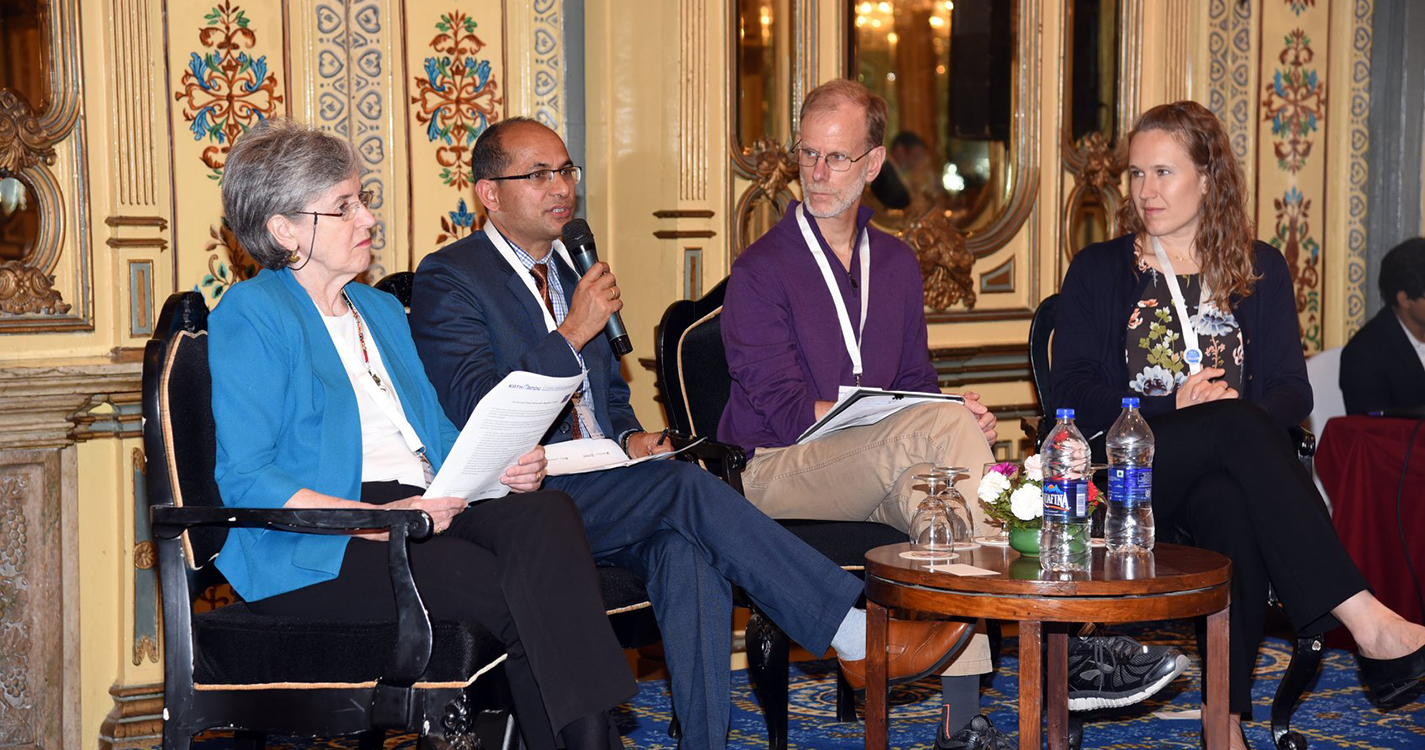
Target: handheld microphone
[{"x": 579, "y": 241}]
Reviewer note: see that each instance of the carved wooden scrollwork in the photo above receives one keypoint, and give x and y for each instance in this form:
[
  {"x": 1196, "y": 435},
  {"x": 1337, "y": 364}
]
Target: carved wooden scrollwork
[
  {"x": 27, "y": 152},
  {"x": 1097, "y": 167},
  {"x": 945, "y": 261},
  {"x": 772, "y": 169},
  {"x": 776, "y": 167}
]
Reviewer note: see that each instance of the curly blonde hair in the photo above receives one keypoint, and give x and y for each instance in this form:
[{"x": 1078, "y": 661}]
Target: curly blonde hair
[{"x": 1226, "y": 234}]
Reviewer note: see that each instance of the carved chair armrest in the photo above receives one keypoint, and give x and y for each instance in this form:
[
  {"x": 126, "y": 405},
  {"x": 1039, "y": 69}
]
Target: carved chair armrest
[
  {"x": 413, "y": 647},
  {"x": 723, "y": 459}
]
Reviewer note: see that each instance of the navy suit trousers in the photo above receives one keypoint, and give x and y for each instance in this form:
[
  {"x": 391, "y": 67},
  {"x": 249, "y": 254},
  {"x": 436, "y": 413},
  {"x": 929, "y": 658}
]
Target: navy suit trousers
[{"x": 689, "y": 534}]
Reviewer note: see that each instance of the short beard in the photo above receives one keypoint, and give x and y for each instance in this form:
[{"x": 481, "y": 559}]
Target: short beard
[{"x": 841, "y": 207}]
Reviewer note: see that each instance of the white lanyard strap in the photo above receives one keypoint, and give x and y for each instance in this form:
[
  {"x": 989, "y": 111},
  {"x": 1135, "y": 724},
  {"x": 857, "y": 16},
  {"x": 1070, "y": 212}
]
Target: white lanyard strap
[
  {"x": 852, "y": 340},
  {"x": 1193, "y": 355},
  {"x": 508, "y": 253}
]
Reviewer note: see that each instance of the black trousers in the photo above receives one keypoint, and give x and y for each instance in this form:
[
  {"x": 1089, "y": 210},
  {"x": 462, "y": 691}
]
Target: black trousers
[
  {"x": 1228, "y": 477},
  {"x": 518, "y": 566}
]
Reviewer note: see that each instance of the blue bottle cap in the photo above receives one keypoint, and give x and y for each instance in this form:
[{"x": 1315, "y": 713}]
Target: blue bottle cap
[
  {"x": 1130, "y": 402},
  {"x": 1064, "y": 414}
]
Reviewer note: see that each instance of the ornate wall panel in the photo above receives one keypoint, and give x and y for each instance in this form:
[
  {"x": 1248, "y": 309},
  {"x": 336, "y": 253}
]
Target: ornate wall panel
[
  {"x": 1291, "y": 158},
  {"x": 1354, "y": 313},
  {"x": 343, "y": 55},
  {"x": 228, "y": 74},
  {"x": 1231, "y": 73},
  {"x": 455, "y": 79}
]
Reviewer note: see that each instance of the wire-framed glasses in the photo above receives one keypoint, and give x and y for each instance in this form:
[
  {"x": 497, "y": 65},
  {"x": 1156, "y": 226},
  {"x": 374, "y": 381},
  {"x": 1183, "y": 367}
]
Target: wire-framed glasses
[
  {"x": 836, "y": 161},
  {"x": 545, "y": 177},
  {"x": 347, "y": 210}
]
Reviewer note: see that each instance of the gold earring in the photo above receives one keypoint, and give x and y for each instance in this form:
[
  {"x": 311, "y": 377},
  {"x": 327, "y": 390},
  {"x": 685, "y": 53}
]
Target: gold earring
[{"x": 293, "y": 258}]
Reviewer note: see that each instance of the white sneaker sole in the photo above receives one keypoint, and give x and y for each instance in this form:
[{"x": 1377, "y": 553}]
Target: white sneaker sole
[{"x": 1091, "y": 703}]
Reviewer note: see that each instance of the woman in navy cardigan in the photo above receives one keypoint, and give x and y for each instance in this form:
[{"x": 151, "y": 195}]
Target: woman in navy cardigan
[
  {"x": 1218, "y": 395},
  {"x": 320, "y": 401}
]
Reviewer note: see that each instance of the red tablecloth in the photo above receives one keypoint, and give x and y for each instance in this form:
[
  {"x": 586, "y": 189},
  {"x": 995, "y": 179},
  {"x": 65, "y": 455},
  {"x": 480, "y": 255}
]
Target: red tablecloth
[{"x": 1359, "y": 460}]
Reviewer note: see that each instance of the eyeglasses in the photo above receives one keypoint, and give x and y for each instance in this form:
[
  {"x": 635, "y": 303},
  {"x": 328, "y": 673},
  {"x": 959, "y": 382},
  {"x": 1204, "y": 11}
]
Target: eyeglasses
[
  {"x": 347, "y": 211},
  {"x": 545, "y": 177},
  {"x": 836, "y": 162}
]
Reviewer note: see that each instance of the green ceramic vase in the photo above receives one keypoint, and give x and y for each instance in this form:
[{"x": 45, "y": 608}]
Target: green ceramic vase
[{"x": 1025, "y": 541}]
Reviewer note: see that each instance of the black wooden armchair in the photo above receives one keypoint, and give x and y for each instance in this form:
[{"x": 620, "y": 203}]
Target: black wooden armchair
[
  {"x": 234, "y": 668},
  {"x": 1307, "y": 651},
  {"x": 694, "y": 383}
]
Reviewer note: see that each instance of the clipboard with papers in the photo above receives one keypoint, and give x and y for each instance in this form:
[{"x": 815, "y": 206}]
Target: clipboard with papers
[{"x": 858, "y": 406}]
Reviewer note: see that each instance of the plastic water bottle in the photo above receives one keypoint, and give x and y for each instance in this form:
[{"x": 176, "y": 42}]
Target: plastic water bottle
[
  {"x": 1129, "y": 525},
  {"x": 1064, "y": 535}
]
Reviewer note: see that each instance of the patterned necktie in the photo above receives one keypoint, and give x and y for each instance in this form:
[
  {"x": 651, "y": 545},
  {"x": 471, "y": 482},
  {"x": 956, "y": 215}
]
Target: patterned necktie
[{"x": 540, "y": 271}]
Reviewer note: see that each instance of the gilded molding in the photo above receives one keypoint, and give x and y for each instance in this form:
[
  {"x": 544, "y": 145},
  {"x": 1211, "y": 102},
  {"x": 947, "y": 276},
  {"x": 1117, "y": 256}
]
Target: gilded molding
[
  {"x": 28, "y": 141},
  {"x": 945, "y": 261}
]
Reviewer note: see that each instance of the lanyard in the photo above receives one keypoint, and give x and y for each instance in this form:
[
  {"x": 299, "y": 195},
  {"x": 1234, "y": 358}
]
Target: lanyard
[
  {"x": 508, "y": 253},
  {"x": 852, "y": 340},
  {"x": 1193, "y": 355},
  {"x": 385, "y": 398}
]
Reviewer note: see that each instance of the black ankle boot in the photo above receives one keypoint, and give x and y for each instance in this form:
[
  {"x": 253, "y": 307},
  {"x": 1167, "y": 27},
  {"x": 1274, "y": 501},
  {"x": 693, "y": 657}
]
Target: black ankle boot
[{"x": 979, "y": 734}]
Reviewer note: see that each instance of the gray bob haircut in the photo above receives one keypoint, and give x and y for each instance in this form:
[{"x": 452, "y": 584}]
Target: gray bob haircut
[{"x": 277, "y": 168}]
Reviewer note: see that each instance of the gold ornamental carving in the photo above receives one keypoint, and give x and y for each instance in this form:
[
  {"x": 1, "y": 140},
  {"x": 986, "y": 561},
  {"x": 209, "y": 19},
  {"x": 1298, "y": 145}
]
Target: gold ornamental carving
[
  {"x": 26, "y": 289},
  {"x": 776, "y": 167},
  {"x": 23, "y": 141},
  {"x": 945, "y": 261}
]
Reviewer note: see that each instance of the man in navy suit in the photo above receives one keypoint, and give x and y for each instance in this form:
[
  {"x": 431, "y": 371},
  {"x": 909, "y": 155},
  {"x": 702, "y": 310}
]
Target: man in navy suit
[
  {"x": 506, "y": 298},
  {"x": 1383, "y": 366}
]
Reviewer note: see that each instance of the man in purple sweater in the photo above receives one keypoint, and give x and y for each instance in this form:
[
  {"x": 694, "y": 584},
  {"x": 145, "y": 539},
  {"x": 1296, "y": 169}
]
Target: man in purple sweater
[{"x": 824, "y": 300}]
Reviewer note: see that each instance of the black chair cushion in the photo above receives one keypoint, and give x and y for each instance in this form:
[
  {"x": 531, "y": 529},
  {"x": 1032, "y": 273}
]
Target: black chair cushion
[
  {"x": 621, "y": 588},
  {"x": 235, "y": 646},
  {"x": 844, "y": 542}
]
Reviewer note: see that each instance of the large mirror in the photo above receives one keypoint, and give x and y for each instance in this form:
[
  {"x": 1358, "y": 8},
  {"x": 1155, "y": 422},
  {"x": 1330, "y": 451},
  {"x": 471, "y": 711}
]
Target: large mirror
[
  {"x": 1092, "y": 120},
  {"x": 24, "y": 72},
  {"x": 947, "y": 68},
  {"x": 762, "y": 52}
]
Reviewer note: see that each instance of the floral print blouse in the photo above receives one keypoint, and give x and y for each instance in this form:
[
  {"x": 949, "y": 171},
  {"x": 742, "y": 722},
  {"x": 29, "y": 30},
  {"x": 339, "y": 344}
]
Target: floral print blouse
[{"x": 1155, "y": 340}]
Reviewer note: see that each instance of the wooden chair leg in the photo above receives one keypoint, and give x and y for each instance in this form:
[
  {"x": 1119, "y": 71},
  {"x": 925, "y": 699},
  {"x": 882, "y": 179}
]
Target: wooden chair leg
[
  {"x": 767, "y": 655},
  {"x": 1305, "y": 661}
]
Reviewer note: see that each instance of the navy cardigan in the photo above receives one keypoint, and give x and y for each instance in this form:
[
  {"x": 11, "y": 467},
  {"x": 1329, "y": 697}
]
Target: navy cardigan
[{"x": 1089, "y": 358}]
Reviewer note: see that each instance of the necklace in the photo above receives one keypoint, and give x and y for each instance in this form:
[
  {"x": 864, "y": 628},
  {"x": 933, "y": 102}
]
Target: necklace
[{"x": 361, "y": 339}]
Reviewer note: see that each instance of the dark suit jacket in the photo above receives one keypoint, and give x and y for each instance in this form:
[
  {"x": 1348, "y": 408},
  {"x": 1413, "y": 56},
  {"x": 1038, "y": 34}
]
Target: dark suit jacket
[
  {"x": 1379, "y": 367},
  {"x": 475, "y": 321}
]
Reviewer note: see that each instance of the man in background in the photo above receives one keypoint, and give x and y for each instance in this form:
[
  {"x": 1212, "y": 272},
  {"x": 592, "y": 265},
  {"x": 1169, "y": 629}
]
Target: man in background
[{"x": 1383, "y": 365}]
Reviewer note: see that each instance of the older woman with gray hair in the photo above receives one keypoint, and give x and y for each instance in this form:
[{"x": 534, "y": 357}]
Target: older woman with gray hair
[{"x": 321, "y": 401}]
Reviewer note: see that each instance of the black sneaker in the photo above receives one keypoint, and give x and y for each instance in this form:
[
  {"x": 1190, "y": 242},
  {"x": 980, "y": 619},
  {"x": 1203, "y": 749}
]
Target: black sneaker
[
  {"x": 1115, "y": 671},
  {"x": 979, "y": 734}
]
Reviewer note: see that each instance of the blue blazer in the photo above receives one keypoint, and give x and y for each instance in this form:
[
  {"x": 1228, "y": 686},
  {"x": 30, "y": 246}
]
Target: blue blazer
[
  {"x": 475, "y": 321},
  {"x": 1089, "y": 365},
  {"x": 286, "y": 420}
]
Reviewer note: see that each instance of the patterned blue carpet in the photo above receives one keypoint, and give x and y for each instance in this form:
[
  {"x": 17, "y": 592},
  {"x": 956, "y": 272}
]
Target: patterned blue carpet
[{"x": 1334, "y": 715}]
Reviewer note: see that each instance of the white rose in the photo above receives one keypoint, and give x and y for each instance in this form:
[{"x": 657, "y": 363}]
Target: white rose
[
  {"x": 1027, "y": 502},
  {"x": 1034, "y": 468},
  {"x": 992, "y": 485}
]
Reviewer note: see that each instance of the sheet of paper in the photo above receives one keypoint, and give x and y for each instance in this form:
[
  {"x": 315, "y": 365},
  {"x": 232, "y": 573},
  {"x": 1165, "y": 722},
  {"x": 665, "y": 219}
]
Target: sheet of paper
[
  {"x": 961, "y": 569},
  {"x": 580, "y": 456},
  {"x": 506, "y": 424},
  {"x": 862, "y": 406}
]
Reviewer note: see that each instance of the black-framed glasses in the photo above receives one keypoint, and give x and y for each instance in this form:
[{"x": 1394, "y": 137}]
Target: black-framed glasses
[
  {"x": 836, "y": 162},
  {"x": 545, "y": 177},
  {"x": 347, "y": 211}
]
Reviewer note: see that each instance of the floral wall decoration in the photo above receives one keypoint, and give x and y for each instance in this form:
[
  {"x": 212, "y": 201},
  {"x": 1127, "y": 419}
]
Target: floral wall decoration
[{"x": 456, "y": 99}]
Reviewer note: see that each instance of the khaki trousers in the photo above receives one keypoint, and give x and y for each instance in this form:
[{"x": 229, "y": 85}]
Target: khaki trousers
[{"x": 866, "y": 473}]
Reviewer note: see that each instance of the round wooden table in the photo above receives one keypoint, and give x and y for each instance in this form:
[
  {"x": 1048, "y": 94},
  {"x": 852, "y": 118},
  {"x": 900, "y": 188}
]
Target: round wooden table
[{"x": 1172, "y": 582}]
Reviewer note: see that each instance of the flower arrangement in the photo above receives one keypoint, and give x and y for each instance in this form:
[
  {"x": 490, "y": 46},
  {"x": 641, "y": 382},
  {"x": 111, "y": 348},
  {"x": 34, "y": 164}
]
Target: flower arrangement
[{"x": 1014, "y": 495}]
